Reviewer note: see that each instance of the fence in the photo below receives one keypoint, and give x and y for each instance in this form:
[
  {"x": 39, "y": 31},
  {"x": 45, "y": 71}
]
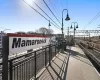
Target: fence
[
  {"x": 27, "y": 66},
  {"x": 0, "y": 71}
]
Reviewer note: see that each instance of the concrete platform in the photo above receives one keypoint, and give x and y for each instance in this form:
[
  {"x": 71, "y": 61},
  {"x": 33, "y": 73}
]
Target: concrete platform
[{"x": 78, "y": 67}]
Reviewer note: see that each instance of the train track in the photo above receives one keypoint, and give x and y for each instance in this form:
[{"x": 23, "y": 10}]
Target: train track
[{"x": 93, "y": 54}]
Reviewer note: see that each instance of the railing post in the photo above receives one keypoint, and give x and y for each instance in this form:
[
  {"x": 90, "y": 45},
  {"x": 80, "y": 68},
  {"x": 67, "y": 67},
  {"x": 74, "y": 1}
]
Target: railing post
[
  {"x": 35, "y": 64},
  {"x": 10, "y": 70},
  {"x": 5, "y": 53},
  {"x": 49, "y": 55},
  {"x": 55, "y": 50},
  {"x": 51, "y": 52},
  {"x": 45, "y": 57}
]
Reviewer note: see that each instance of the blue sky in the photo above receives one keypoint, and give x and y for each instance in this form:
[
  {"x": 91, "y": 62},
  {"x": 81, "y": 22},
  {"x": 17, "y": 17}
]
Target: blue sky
[{"x": 18, "y": 16}]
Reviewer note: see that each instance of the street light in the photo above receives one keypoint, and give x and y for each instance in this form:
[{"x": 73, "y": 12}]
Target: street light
[
  {"x": 74, "y": 27},
  {"x": 49, "y": 24},
  {"x": 49, "y": 31},
  {"x": 67, "y": 18}
]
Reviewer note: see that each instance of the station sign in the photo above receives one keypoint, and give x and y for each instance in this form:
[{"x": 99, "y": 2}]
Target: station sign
[{"x": 22, "y": 42}]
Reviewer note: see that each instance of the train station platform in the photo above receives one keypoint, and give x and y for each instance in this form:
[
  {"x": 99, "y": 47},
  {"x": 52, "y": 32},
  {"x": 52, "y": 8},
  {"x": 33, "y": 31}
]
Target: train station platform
[{"x": 75, "y": 67}]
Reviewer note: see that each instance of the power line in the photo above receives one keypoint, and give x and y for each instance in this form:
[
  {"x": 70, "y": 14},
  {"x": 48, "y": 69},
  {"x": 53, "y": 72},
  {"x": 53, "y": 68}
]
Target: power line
[
  {"x": 93, "y": 19},
  {"x": 46, "y": 14},
  {"x": 40, "y": 14},
  {"x": 58, "y": 14},
  {"x": 51, "y": 11}
]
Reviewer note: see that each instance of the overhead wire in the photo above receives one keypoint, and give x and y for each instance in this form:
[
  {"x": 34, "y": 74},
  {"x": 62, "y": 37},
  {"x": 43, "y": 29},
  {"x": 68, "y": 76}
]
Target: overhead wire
[
  {"x": 51, "y": 12},
  {"x": 58, "y": 14},
  {"x": 40, "y": 14},
  {"x": 46, "y": 14},
  {"x": 93, "y": 19}
]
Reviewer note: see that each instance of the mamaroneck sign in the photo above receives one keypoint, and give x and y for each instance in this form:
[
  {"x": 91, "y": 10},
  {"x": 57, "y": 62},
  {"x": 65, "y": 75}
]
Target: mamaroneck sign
[{"x": 20, "y": 43}]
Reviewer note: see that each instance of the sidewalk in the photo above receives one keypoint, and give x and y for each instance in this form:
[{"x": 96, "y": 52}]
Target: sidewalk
[{"x": 78, "y": 67}]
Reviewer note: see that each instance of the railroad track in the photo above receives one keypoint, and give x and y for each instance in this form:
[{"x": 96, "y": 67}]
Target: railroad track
[{"x": 91, "y": 52}]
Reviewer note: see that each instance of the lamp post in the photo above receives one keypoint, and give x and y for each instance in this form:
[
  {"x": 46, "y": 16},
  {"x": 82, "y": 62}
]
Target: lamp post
[
  {"x": 67, "y": 18},
  {"x": 49, "y": 31},
  {"x": 74, "y": 27}
]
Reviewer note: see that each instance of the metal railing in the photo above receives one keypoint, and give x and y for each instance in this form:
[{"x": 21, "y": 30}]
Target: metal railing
[
  {"x": 27, "y": 66},
  {"x": 0, "y": 71}
]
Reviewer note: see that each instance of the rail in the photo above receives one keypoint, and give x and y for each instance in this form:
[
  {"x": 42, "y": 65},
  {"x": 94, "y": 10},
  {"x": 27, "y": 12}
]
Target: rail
[
  {"x": 27, "y": 66},
  {"x": 89, "y": 53}
]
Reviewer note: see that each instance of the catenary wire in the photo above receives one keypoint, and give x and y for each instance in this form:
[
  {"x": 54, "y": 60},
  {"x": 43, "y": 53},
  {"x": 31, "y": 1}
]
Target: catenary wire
[
  {"x": 40, "y": 14},
  {"x": 93, "y": 19},
  {"x": 51, "y": 11},
  {"x": 58, "y": 14},
  {"x": 46, "y": 14}
]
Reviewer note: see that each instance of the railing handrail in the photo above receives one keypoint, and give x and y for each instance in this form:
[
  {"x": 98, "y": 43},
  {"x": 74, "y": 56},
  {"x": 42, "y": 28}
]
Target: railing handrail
[
  {"x": 30, "y": 53},
  {"x": 28, "y": 64},
  {"x": 27, "y": 54}
]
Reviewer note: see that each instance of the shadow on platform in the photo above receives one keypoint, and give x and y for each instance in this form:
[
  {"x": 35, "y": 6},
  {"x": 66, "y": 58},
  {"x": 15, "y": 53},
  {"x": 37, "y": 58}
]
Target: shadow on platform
[
  {"x": 57, "y": 70},
  {"x": 75, "y": 53},
  {"x": 79, "y": 56}
]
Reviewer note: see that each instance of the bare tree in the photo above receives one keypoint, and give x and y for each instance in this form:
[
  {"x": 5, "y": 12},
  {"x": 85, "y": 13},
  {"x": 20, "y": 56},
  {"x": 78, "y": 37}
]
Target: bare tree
[
  {"x": 50, "y": 31},
  {"x": 44, "y": 30},
  {"x": 20, "y": 32},
  {"x": 30, "y": 32}
]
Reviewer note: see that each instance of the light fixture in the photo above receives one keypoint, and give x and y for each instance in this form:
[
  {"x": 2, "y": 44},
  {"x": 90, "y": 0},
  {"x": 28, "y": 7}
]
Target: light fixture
[
  {"x": 67, "y": 17},
  {"x": 71, "y": 27},
  {"x": 76, "y": 26},
  {"x": 49, "y": 23}
]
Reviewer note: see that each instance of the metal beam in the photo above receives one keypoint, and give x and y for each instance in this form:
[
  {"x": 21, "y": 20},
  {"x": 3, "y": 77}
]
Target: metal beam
[{"x": 86, "y": 31}]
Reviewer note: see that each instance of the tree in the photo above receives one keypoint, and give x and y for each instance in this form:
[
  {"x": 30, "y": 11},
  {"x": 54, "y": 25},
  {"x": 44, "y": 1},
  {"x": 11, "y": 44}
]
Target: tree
[
  {"x": 50, "y": 31},
  {"x": 44, "y": 30},
  {"x": 30, "y": 32},
  {"x": 20, "y": 32}
]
